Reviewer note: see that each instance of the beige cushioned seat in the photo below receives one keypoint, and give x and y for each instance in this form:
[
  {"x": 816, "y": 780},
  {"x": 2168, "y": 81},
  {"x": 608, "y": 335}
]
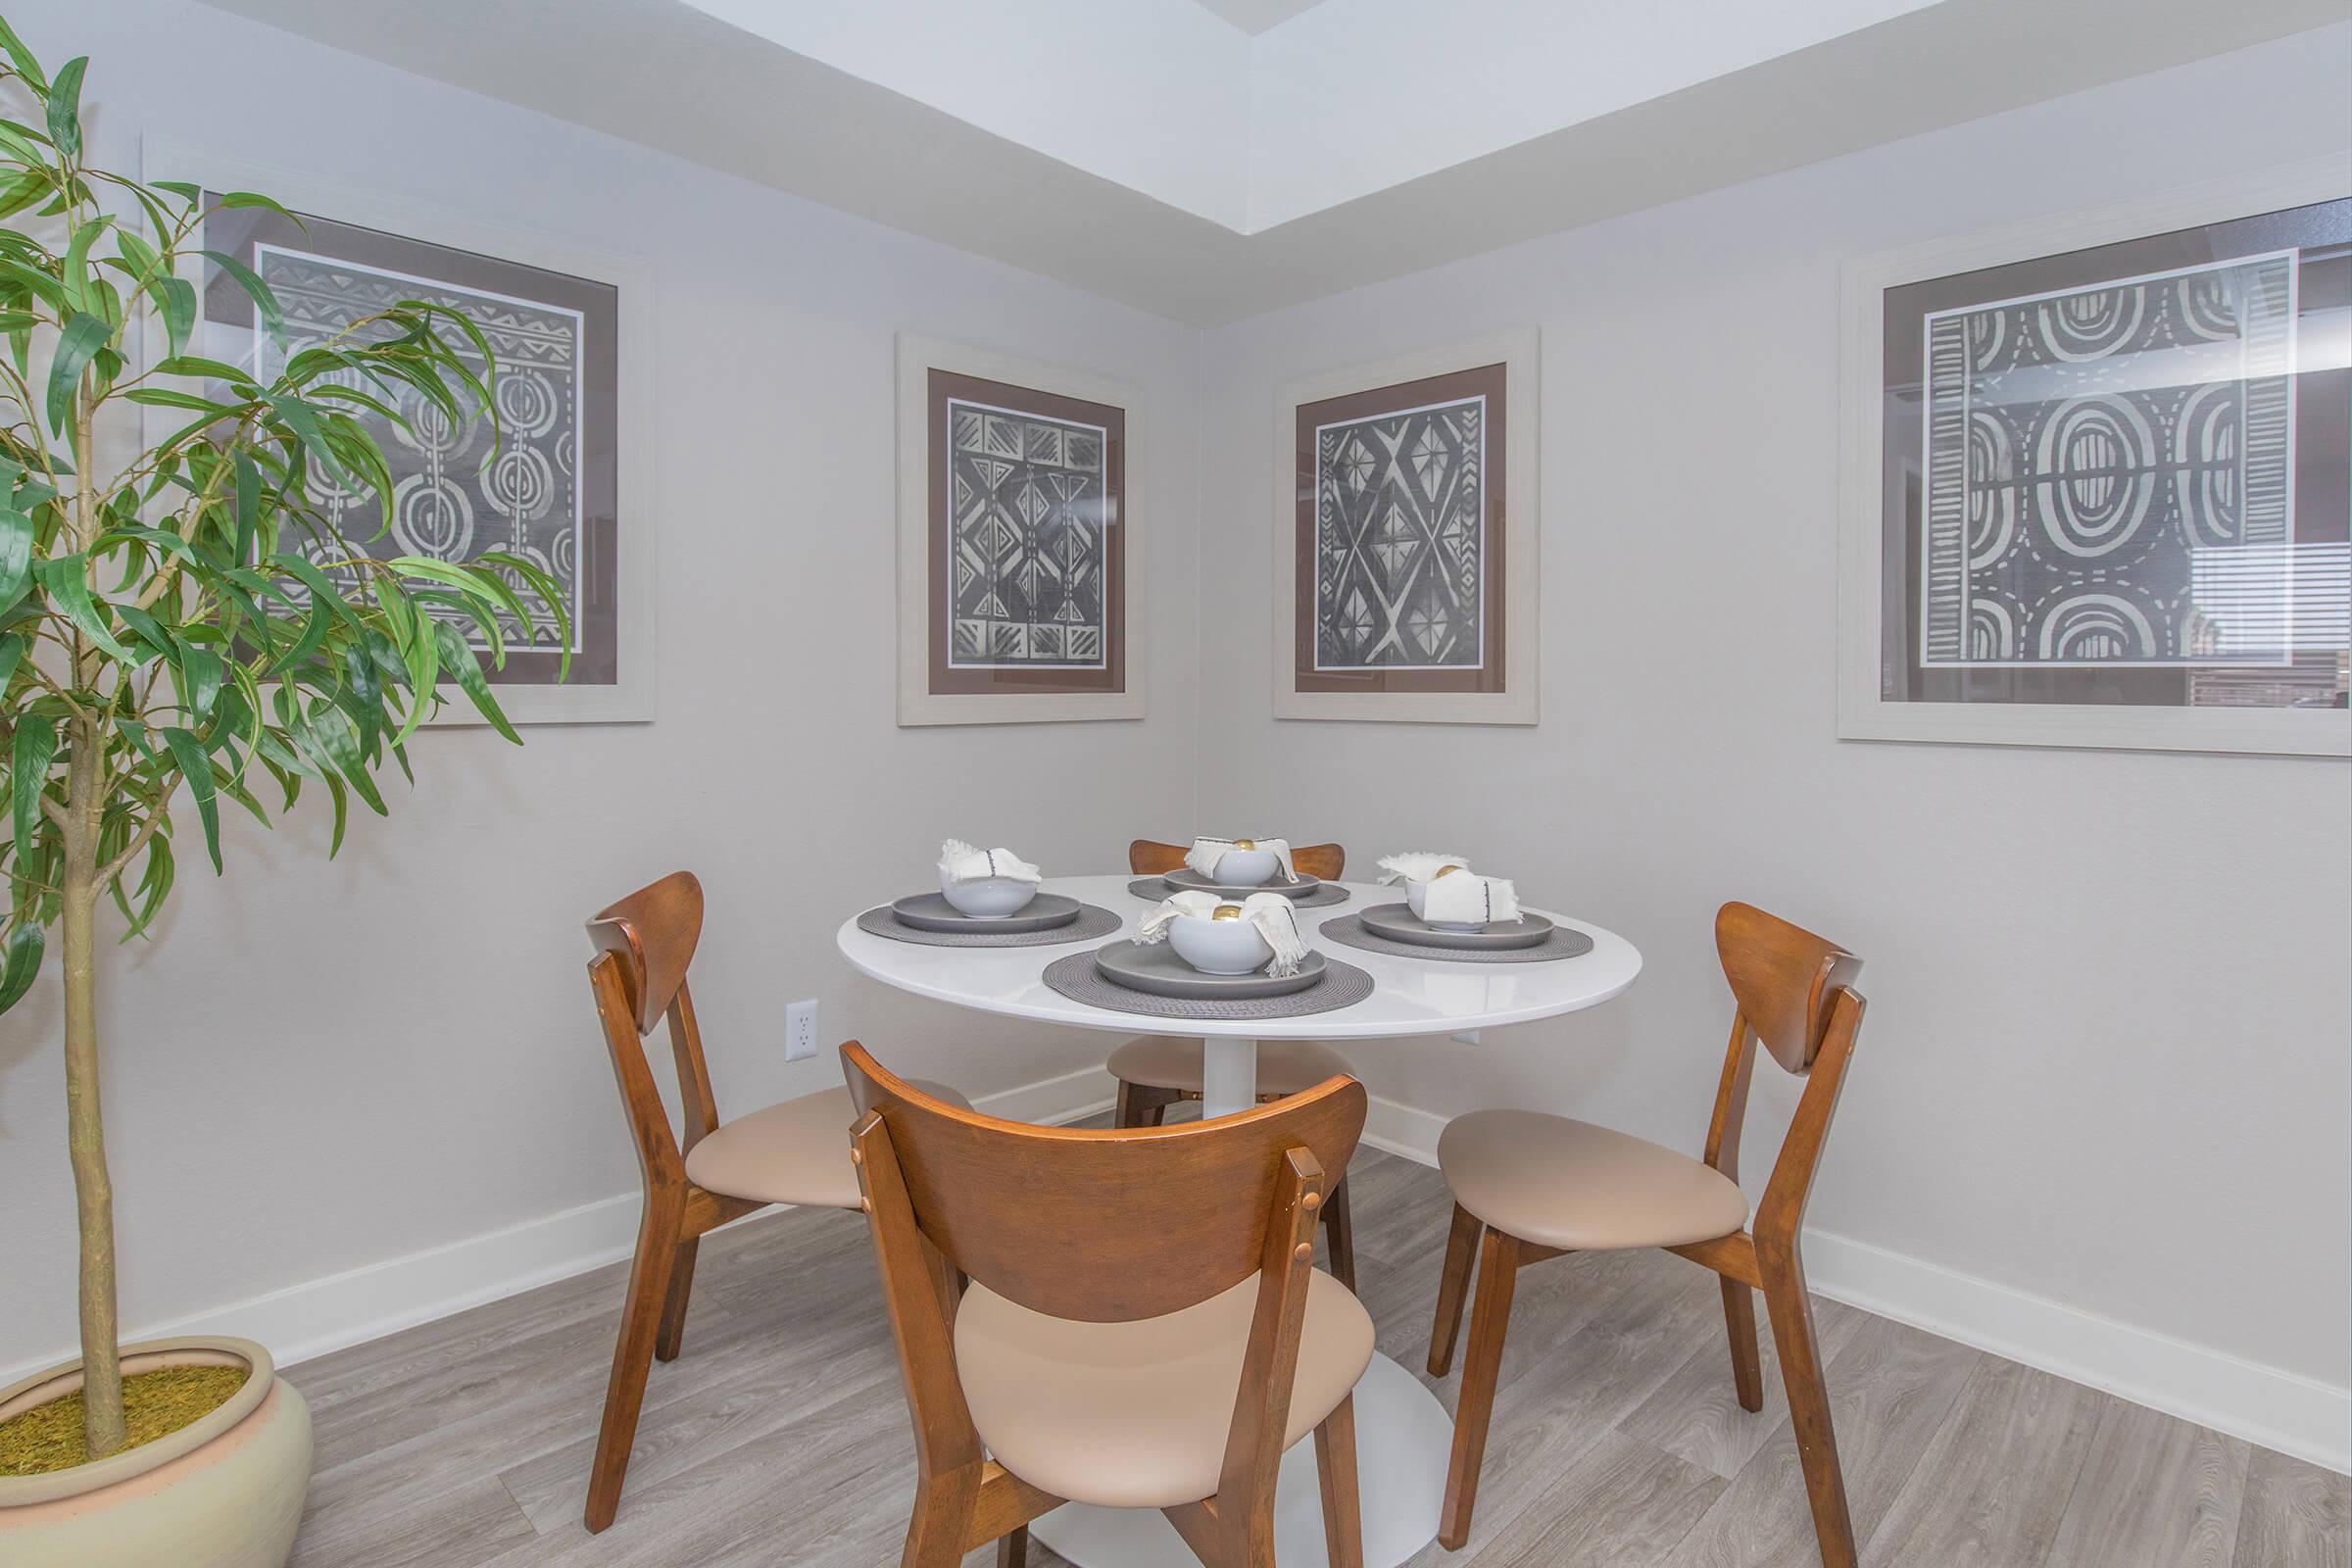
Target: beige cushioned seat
[
  {"x": 796, "y": 1151},
  {"x": 1572, "y": 1185},
  {"x": 1134, "y": 1415},
  {"x": 1171, "y": 1062}
]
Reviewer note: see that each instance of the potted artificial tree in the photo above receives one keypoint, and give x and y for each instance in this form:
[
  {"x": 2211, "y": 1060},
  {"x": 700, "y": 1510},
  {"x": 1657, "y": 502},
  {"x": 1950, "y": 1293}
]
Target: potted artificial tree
[{"x": 174, "y": 612}]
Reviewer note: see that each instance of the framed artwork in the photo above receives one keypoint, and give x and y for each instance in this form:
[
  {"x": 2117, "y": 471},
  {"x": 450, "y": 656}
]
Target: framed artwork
[
  {"x": 2098, "y": 480},
  {"x": 1405, "y": 573},
  {"x": 1019, "y": 570},
  {"x": 562, "y": 479}
]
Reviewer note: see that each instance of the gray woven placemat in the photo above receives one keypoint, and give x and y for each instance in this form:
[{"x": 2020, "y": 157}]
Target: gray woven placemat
[
  {"x": 1350, "y": 931},
  {"x": 1156, "y": 888},
  {"x": 1093, "y": 922},
  {"x": 1075, "y": 977}
]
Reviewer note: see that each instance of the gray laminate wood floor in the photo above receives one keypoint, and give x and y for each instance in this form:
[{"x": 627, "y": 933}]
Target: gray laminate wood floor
[{"x": 780, "y": 1436}]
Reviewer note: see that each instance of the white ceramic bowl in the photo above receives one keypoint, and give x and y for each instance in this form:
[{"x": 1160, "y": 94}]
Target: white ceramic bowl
[
  {"x": 1247, "y": 868},
  {"x": 988, "y": 898},
  {"x": 1415, "y": 892},
  {"x": 1219, "y": 946}
]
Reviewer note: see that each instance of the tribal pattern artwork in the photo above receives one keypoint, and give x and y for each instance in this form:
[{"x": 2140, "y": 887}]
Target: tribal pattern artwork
[
  {"x": 447, "y": 503},
  {"x": 1028, "y": 522},
  {"x": 1401, "y": 544},
  {"x": 2110, "y": 474}
]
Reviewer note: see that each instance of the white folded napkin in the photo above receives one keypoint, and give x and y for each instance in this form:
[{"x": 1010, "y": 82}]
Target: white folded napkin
[
  {"x": 1415, "y": 867},
  {"x": 1463, "y": 898},
  {"x": 959, "y": 862},
  {"x": 1275, "y": 917},
  {"x": 1205, "y": 855}
]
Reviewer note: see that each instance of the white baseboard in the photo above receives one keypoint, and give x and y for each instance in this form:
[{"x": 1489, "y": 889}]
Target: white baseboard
[
  {"x": 340, "y": 1310},
  {"x": 2264, "y": 1405}
]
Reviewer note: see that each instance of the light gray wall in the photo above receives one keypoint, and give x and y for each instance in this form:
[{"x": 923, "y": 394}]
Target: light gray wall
[
  {"x": 2105, "y": 1059},
  {"x": 319, "y": 1065}
]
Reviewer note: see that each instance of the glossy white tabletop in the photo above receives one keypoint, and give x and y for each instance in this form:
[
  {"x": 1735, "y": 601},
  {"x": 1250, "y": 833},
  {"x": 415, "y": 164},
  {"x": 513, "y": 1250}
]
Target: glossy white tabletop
[{"x": 1409, "y": 995}]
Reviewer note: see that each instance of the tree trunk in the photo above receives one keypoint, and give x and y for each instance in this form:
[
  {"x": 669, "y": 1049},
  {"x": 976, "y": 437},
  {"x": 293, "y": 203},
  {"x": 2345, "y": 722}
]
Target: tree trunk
[{"x": 86, "y": 1136}]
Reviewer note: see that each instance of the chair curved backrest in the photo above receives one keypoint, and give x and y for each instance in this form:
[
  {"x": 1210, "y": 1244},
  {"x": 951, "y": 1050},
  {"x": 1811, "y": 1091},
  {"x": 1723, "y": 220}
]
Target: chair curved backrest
[
  {"x": 643, "y": 944},
  {"x": 653, "y": 932},
  {"x": 1102, "y": 1224},
  {"x": 1149, "y": 857},
  {"x": 1794, "y": 992},
  {"x": 1785, "y": 979}
]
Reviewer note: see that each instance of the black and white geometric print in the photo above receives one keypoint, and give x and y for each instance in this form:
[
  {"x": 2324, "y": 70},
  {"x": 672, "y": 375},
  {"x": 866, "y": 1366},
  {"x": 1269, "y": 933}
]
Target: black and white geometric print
[
  {"x": 1029, "y": 548},
  {"x": 2110, "y": 474},
  {"x": 1400, "y": 542}
]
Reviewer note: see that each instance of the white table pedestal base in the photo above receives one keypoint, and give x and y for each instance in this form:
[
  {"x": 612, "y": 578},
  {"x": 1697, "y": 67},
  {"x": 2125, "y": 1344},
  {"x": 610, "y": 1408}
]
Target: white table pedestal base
[
  {"x": 1402, "y": 1440},
  {"x": 1228, "y": 1076}
]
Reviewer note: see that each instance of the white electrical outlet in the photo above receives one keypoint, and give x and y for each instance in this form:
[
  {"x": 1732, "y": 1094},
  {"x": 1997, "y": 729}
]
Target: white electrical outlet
[{"x": 800, "y": 1030}]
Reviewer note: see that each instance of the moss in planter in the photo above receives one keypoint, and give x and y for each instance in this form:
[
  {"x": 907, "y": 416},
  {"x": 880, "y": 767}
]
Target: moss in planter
[{"x": 155, "y": 1404}]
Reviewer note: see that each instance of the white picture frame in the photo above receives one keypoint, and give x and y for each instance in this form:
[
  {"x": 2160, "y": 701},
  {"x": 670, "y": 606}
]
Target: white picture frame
[
  {"x": 917, "y": 704},
  {"x": 1519, "y": 352},
  {"x": 631, "y": 698},
  {"x": 1863, "y": 712}
]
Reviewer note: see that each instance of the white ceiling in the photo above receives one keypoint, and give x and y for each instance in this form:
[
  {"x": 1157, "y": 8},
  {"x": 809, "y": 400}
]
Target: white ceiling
[
  {"x": 1343, "y": 101},
  {"x": 1256, "y": 16},
  {"x": 1137, "y": 150}
]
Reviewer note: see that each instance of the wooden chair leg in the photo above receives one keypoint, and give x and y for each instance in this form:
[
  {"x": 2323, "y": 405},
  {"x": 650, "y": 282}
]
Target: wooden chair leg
[
  {"x": 1791, "y": 1309},
  {"x": 1453, "y": 1289},
  {"x": 1739, "y": 1318},
  {"x": 672, "y": 1336},
  {"x": 1340, "y": 1228},
  {"x": 1131, "y": 1108},
  {"x": 657, "y": 1236},
  {"x": 942, "y": 1516},
  {"x": 1342, "y": 1507},
  {"x": 1481, "y": 1367},
  {"x": 1012, "y": 1547}
]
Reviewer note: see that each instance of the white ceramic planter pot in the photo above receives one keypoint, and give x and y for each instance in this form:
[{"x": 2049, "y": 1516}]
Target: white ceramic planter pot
[{"x": 225, "y": 1491}]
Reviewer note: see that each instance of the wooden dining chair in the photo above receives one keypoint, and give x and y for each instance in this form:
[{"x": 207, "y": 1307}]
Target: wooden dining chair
[
  {"x": 1143, "y": 1325},
  {"x": 699, "y": 1179},
  {"x": 1529, "y": 1187},
  {"x": 1156, "y": 1071}
]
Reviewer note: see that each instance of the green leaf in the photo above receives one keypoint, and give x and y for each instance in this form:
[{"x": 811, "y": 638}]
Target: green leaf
[
  {"x": 323, "y": 587},
  {"x": 246, "y": 198},
  {"x": 12, "y": 653},
  {"x": 249, "y": 503},
  {"x": 196, "y": 364},
  {"x": 84, "y": 335},
  {"x": 16, "y": 554},
  {"x": 198, "y": 675},
  {"x": 65, "y": 106},
  {"x": 66, "y": 577},
  {"x": 35, "y": 747},
  {"x": 197, "y": 767},
  {"x": 302, "y": 419},
  {"x": 21, "y": 58},
  {"x": 265, "y": 300},
  {"x": 175, "y": 297},
  {"x": 466, "y": 672},
  {"x": 77, "y": 255},
  {"x": 22, "y": 951},
  {"x": 326, "y": 735}
]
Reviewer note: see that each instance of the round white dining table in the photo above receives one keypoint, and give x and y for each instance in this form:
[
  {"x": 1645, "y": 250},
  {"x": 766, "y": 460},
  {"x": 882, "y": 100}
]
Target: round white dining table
[{"x": 1403, "y": 1435}]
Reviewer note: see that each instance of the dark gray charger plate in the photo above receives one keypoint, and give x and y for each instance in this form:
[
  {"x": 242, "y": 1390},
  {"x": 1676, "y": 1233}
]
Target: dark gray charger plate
[
  {"x": 1348, "y": 931},
  {"x": 1156, "y": 888},
  {"x": 931, "y": 912},
  {"x": 1154, "y": 967},
  {"x": 1093, "y": 922},
  {"x": 1399, "y": 924},
  {"x": 1075, "y": 976},
  {"x": 1184, "y": 879}
]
